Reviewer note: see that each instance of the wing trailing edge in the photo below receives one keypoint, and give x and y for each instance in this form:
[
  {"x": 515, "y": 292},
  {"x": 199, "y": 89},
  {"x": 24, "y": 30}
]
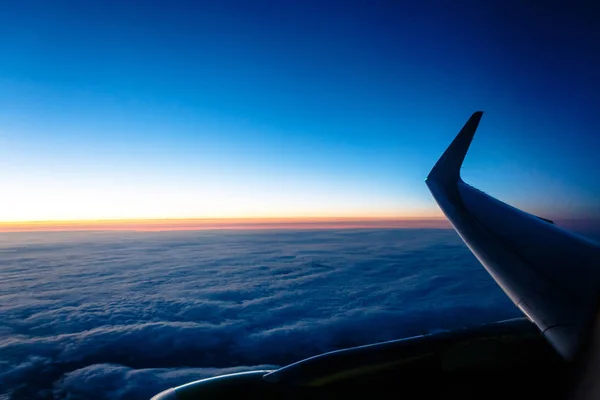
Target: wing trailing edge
[{"x": 552, "y": 275}]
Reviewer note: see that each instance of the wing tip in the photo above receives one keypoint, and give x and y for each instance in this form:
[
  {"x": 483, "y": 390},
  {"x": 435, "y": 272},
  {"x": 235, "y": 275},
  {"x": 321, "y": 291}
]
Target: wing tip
[{"x": 447, "y": 168}]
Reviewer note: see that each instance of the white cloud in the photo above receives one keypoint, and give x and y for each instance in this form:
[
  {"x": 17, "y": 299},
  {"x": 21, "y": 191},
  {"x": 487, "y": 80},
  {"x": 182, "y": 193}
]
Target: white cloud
[{"x": 123, "y": 315}]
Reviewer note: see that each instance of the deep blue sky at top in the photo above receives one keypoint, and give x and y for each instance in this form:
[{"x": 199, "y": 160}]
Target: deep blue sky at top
[{"x": 253, "y": 108}]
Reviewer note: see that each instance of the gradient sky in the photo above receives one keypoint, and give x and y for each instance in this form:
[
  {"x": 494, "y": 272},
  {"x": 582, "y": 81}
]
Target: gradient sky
[{"x": 118, "y": 109}]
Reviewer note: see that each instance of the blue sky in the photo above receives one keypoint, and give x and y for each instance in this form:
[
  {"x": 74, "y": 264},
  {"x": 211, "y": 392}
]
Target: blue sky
[{"x": 283, "y": 108}]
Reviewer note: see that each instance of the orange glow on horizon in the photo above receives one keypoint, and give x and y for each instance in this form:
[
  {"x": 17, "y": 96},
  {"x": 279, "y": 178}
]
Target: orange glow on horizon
[{"x": 223, "y": 223}]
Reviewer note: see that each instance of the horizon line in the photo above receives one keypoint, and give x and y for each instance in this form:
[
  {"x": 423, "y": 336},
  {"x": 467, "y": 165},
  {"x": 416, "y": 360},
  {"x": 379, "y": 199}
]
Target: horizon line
[{"x": 249, "y": 223}]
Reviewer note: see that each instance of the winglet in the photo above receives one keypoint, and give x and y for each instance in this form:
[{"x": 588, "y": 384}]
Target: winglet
[
  {"x": 549, "y": 273},
  {"x": 447, "y": 169}
]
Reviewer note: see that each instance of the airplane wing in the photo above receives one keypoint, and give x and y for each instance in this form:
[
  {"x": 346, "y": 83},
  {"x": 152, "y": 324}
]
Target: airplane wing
[
  {"x": 552, "y": 275},
  {"x": 463, "y": 363}
]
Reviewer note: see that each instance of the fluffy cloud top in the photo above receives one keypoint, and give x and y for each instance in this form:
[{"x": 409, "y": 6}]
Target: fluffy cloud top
[{"x": 124, "y": 315}]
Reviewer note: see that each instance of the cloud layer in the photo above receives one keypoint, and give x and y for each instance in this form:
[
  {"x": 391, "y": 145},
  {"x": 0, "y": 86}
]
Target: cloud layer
[{"x": 124, "y": 315}]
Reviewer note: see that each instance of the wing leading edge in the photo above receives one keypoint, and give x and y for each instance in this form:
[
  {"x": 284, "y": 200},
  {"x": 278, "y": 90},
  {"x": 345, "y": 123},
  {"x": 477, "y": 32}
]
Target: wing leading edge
[{"x": 552, "y": 275}]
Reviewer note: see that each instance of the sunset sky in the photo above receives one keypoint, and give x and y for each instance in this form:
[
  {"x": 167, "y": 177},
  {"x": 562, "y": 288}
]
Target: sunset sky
[{"x": 292, "y": 109}]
